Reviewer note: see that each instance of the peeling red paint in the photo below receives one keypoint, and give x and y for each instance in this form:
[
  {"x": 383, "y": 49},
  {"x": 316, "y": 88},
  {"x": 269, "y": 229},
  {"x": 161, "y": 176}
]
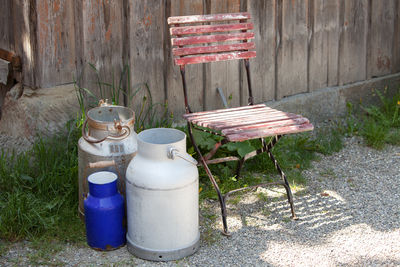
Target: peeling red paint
[
  {"x": 383, "y": 62},
  {"x": 108, "y": 34}
]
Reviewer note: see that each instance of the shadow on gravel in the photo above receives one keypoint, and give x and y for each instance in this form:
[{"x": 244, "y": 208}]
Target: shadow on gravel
[{"x": 321, "y": 214}]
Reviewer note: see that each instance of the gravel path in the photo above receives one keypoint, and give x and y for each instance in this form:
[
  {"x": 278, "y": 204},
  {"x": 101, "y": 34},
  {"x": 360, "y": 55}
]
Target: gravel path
[{"x": 349, "y": 216}]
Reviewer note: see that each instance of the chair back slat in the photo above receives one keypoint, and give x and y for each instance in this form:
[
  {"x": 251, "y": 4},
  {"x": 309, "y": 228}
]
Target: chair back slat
[
  {"x": 184, "y": 30},
  {"x": 224, "y": 39},
  {"x": 212, "y": 38},
  {"x": 215, "y": 57},
  {"x": 212, "y": 49},
  {"x": 208, "y": 18}
]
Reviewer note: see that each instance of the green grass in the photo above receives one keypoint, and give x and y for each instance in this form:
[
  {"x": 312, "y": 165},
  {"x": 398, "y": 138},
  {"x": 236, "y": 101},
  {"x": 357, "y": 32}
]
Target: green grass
[
  {"x": 39, "y": 191},
  {"x": 377, "y": 124}
]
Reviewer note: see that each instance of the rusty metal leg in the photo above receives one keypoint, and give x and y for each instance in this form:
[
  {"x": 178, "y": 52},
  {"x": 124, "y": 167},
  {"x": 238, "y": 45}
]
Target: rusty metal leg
[
  {"x": 239, "y": 167},
  {"x": 214, "y": 183},
  {"x": 282, "y": 174}
]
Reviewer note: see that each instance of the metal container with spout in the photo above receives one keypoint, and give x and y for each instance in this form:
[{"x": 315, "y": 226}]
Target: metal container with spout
[
  {"x": 110, "y": 137},
  {"x": 162, "y": 197}
]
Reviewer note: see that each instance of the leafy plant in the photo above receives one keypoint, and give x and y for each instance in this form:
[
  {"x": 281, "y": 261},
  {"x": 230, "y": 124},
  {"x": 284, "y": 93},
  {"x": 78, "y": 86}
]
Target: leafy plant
[{"x": 380, "y": 123}]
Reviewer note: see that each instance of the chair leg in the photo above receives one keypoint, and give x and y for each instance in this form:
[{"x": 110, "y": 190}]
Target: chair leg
[
  {"x": 239, "y": 167},
  {"x": 214, "y": 183},
  {"x": 282, "y": 174}
]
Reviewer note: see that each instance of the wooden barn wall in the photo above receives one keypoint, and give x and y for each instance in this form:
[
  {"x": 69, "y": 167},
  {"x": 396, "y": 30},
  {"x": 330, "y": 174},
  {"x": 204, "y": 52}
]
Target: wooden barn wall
[{"x": 302, "y": 45}]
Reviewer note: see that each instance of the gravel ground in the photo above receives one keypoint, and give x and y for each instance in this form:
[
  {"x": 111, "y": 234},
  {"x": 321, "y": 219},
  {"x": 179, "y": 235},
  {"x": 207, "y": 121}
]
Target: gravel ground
[{"x": 349, "y": 216}]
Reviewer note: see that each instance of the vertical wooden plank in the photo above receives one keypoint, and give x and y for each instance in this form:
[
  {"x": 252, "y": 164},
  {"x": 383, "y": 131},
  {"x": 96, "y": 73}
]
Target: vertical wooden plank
[
  {"x": 379, "y": 60},
  {"x": 396, "y": 39},
  {"x": 324, "y": 44},
  {"x": 146, "y": 36},
  {"x": 194, "y": 73},
  {"x": 293, "y": 49},
  {"x": 102, "y": 33},
  {"x": 353, "y": 41},
  {"x": 56, "y": 42},
  {"x": 24, "y": 27},
  {"x": 6, "y": 26},
  {"x": 262, "y": 68},
  {"x": 223, "y": 74}
]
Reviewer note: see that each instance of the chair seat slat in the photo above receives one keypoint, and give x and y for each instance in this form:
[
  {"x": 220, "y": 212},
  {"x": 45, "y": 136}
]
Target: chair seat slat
[
  {"x": 184, "y": 30},
  {"x": 247, "y": 135},
  {"x": 254, "y": 120},
  {"x": 239, "y": 115},
  {"x": 245, "y": 120},
  {"x": 271, "y": 124},
  {"x": 222, "y": 110},
  {"x": 214, "y": 58},
  {"x": 222, "y": 113},
  {"x": 191, "y": 40},
  {"x": 208, "y": 18},
  {"x": 212, "y": 49}
]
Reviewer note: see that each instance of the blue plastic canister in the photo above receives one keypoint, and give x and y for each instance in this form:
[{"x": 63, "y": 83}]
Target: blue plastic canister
[{"x": 104, "y": 212}]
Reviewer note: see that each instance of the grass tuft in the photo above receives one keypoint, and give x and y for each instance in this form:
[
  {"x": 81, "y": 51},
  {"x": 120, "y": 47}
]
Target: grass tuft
[{"x": 39, "y": 190}]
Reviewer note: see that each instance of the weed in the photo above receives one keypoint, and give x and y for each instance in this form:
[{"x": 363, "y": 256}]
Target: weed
[
  {"x": 4, "y": 247},
  {"x": 266, "y": 211},
  {"x": 235, "y": 200},
  {"x": 148, "y": 115},
  {"x": 380, "y": 124},
  {"x": 374, "y": 133},
  {"x": 329, "y": 172},
  {"x": 39, "y": 190},
  {"x": 262, "y": 196},
  {"x": 44, "y": 252},
  {"x": 393, "y": 137},
  {"x": 209, "y": 234}
]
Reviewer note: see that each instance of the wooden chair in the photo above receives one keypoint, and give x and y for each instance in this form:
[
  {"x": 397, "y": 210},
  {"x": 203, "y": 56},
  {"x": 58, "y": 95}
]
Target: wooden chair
[{"x": 194, "y": 41}]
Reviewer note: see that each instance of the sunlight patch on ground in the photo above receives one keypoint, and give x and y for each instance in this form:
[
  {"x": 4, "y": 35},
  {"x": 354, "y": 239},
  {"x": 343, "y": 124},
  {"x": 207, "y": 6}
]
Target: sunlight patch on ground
[{"x": 338, "y": 248}]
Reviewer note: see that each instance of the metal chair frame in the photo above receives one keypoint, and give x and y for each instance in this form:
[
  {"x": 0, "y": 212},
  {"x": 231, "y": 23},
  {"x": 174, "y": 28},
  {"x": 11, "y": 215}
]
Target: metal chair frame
[{"x": 207, "y": 159}]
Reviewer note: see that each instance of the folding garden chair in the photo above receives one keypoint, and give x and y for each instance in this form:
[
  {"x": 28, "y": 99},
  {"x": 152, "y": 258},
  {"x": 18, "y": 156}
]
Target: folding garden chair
[{"x": 194, "y": 41}]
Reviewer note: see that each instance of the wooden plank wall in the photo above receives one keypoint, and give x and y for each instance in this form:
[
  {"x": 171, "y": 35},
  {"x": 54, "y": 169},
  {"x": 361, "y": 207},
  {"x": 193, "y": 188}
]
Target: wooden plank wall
[{"x": 302, "y": 46}]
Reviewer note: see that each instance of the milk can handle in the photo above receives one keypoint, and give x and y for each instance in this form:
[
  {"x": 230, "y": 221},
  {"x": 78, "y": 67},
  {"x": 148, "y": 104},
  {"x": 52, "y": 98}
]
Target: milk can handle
[
  {"x": 92, "y": 140},
  {"x": 173, "y": 152}
]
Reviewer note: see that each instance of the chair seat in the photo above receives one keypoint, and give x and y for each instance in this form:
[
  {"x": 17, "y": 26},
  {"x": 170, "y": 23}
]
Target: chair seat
[{"x": 250, "y": 122}]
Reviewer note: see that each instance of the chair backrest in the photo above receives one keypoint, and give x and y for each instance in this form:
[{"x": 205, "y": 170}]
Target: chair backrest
[{"x": 227, "y": 38}]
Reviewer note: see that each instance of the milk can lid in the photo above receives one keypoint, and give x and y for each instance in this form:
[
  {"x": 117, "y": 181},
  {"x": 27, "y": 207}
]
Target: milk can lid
[{"x": 102, "y": 177}]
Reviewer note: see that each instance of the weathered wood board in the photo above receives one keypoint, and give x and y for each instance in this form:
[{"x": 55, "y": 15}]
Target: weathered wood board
[
  {"x": 194, "y": 73},
  {"x": 146, "y": 38},
  {"x": 293, "y": 49},
  {"x": 396, "y": 39},
  {"x": 353, "y": 41},
  {"x": 262, "y": 68},
  {"x": 6, "y": 28},
  {"x": 225, "y": 74},
  {"x": 102, "y": 33},
  {"x": 380, "y": 34},
  {"x": 301, "y": 46},
  {"x": 56, "y": 42},
  {"x": 323, "y": 44}
]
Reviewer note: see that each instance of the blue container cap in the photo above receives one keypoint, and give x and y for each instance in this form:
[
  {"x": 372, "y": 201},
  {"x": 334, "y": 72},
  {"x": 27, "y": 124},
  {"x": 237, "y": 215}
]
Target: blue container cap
[{"x": 102, "y": 184}]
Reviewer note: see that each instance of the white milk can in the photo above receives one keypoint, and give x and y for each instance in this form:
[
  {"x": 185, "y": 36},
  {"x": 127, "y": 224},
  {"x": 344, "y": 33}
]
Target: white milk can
[
  {"x": 162, "y": 197},
  {"x": 110, "y": 138}
]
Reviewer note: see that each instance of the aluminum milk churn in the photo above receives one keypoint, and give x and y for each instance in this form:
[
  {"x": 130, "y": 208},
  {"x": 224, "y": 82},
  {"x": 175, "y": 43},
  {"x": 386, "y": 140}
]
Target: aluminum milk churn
[
  {"x": 162, "y": 196},
  {"x": 110, "y": 137},
  {"x": 104, "y": 212}
]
